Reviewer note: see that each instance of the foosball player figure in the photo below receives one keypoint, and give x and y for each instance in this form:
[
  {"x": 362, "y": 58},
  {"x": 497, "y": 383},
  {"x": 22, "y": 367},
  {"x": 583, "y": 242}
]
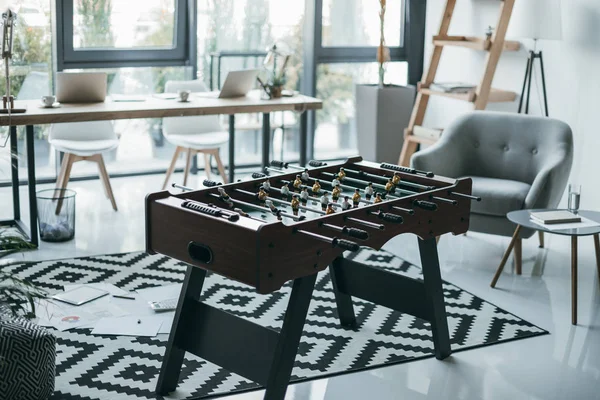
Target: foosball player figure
[
  {"x": 304, "y": 176},
  {"x": 295, "y": 203},
  {"x": 324, "y": 201},
  {"x": 369, "y": 191},
  {"x": 297, "y": 183},
  {"x": 304, "y": 196},
  {"x": 272, "y": 207},
  {"x": 335, "y": 182},
  {"x": 225, "y": 197},
  {"x": 266, "y": 186},
  {"x": 241, "y": 212},
  {"x": 285, "y": 191},
  {"x": 377, "y": 198},
  {"x": 356, "y": 197},
  {"x": 342, "y": 174},
  {"x": 316, "y": 187},
  {"x": 335, "y": 193},
  {"x": 330, "y": 209},
  {"x": 396, "y": 179},
  {"x": 262, "y": 195},
  {"x": 389, "y": 186},
  {"x": 346, "y": 204}
]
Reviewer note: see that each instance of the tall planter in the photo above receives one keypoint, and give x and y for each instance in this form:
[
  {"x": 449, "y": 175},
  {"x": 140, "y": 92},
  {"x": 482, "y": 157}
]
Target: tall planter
[
  {"x": 382, "y": 114},
  {"x": 27, "y": 360}
]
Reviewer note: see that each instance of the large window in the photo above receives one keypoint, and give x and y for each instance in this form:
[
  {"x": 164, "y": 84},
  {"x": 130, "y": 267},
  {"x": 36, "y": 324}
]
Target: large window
[
  {"x": 124, "y": 33},
  {"x": 340, "y": 47}
]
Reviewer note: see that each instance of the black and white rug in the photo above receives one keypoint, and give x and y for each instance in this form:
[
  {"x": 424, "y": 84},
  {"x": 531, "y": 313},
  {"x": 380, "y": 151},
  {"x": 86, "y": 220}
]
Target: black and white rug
[{"x": 108, "y": 367}]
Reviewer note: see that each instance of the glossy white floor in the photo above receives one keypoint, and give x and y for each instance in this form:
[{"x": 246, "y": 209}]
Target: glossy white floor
[{"x": 564, "y": 364}]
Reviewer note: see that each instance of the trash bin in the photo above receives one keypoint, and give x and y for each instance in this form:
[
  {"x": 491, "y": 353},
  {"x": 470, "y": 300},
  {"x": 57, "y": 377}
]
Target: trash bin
[{"x": 56, "y": 214}]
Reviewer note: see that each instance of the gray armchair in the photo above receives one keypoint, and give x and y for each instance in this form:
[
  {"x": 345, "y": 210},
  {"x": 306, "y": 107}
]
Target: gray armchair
[{"x": 516, "y": 162}]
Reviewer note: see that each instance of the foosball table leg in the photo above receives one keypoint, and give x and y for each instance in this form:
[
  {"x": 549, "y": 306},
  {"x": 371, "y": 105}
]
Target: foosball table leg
[
  {"x": 343, "y": 300},
  {"x": 289, "y": 337},
  {"x": 173, "y": 358},
  {"x": 422, "y": 299},
  {"x": 255, "y": 352},
  {"x": 434, "y": 292}
]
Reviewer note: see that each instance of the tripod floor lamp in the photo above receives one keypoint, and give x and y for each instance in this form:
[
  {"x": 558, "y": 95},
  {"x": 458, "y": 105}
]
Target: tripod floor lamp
[{"x": 537, "y": 20}]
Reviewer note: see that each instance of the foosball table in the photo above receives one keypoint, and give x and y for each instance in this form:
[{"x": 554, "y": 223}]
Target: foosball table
[{"x": 287, "y": 224}]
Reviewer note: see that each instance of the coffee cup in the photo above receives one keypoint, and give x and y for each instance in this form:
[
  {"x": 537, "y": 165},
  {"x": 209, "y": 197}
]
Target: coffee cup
[
  {"x": 183, "y": 95},
  {"x": 48, "y": 101}
]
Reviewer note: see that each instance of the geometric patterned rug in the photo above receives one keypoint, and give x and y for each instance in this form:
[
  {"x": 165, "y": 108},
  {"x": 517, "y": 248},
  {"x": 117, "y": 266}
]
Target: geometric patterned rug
[{"x": 93, "y": 367}]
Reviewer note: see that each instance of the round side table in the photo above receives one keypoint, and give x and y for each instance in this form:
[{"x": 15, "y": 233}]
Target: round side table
[{"x": 521, "y": 219}]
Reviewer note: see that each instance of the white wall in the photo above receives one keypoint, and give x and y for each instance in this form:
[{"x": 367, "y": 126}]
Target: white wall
[{"x": 572, "y": 76}]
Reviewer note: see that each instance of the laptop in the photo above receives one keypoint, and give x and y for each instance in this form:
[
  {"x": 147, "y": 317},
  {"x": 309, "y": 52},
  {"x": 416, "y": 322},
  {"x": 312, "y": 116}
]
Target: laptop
[
  {"x": 237, "y": 84},
  {"x": 80, "y": 87}
]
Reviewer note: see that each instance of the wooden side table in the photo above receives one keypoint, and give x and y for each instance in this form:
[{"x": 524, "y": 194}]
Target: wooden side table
[{"x": 521, "y": 219}]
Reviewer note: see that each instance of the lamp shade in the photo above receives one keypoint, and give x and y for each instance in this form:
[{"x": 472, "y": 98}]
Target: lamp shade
[{"x": 536, "y": 19}]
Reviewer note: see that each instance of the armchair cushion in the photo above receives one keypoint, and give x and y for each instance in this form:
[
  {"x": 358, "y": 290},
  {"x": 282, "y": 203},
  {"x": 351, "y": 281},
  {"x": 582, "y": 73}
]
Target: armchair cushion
[{"x": 499, "y": 196}]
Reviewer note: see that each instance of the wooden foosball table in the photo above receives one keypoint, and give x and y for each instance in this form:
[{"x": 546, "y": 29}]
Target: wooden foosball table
[{"x": 287, "y": 225}]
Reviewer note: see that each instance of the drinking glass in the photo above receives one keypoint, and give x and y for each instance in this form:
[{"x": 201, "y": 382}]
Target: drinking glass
[{"x": 574, "y": 197}]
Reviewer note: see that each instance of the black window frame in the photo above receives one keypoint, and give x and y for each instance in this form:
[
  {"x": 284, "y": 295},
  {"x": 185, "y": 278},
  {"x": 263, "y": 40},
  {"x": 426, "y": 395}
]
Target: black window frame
[
  {"x": 183, "y": 52},
  {"x": 410, "y": 50}
]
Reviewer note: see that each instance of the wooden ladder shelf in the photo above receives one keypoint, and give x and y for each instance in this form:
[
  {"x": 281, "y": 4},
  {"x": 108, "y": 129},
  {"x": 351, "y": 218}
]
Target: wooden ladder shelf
[{"x": 481, "y": 95}]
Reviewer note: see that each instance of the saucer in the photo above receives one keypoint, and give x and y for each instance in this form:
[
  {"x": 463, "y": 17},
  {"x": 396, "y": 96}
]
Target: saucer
[{"x": 55, "y": 105}]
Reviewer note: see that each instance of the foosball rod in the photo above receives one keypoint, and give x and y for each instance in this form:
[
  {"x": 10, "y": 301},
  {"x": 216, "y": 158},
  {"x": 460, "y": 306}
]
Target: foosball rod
[
  {"x": 317, "y": 199},
  {"x": 402, "y": 181},
  {"x": 466, "y": 196},
  {"x": 335, "y": 242},
  {"x": 184, "y": 188},
  {"x": 369, "y": 224},
  {"x": 275, "y": 200},
  {"x": 281, "y": 164},
  {"x": 260, "y": 208}
]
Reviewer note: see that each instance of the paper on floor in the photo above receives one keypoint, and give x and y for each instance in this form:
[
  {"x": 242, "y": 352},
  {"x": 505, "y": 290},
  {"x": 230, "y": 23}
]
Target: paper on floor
[
  {"x": 160, "y": 293},
  {"x": 129, "y": 326}
]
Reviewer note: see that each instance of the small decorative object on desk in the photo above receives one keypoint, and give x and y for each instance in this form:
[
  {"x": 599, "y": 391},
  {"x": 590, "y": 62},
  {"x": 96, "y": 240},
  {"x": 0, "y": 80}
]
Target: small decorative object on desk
[
  {"x": 574, "y": 197},
  {"x": 56, "y": 214},
  {"x": 275, "y": 65}
]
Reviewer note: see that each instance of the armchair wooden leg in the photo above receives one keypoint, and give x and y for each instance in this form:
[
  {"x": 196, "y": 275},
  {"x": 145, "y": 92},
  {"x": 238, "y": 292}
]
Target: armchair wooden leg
[
  {"x": 220, "y": 166},
  {"x": 597, "y": 246},
  {"x": 188, "y": 165},
  {"x": 506, "y": 255},
  {"x": 207, "y": 165},
  {"x": 105, "y": 180},
  {"x": 541, "y": 236},
  {"x": 518, "y": 256},
  {"x": 172, "y": 166},
  {"x": 574, "y": 280}
]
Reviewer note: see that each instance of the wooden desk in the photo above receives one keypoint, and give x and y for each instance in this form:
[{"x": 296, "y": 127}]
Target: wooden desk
[{"x": 153, "y": 107}]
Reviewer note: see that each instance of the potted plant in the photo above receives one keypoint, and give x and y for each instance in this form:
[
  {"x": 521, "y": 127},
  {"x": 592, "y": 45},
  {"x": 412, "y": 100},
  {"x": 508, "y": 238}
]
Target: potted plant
[
  {"x": 382, "y": 110},
  {"x": 275, "y": 64}
]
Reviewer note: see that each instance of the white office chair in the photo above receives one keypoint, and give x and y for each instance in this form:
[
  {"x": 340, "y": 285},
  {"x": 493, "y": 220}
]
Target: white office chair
[
  {"x": 202, "y": 134},
  {"x": 84, "y": 141}
]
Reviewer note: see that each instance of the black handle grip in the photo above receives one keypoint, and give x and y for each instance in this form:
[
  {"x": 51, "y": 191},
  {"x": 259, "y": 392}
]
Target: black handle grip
[
  {"x": 258, "y": 175},
  {"x": 346, "y": 244},
  {"x": 209, "y": 183},
  {"x": 387, "y": 217},
  {"x": 426, "y": 205},
  {"x": 407, "y": 170},
  {"x": 357, "y": 233},
  {"x": 315, "y": 163},
  {"x": 398, "y": 168},
  {"x": 279, "y": 164}
]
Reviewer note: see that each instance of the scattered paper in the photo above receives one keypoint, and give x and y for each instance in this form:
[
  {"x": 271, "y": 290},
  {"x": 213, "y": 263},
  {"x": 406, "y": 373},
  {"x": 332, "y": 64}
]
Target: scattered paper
[
  {"x": 107, "y": 287},
  {"x": 129, "y": 326},
  {"x": 585, "y": 223},
  {"x": 160, "y": 293}
]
